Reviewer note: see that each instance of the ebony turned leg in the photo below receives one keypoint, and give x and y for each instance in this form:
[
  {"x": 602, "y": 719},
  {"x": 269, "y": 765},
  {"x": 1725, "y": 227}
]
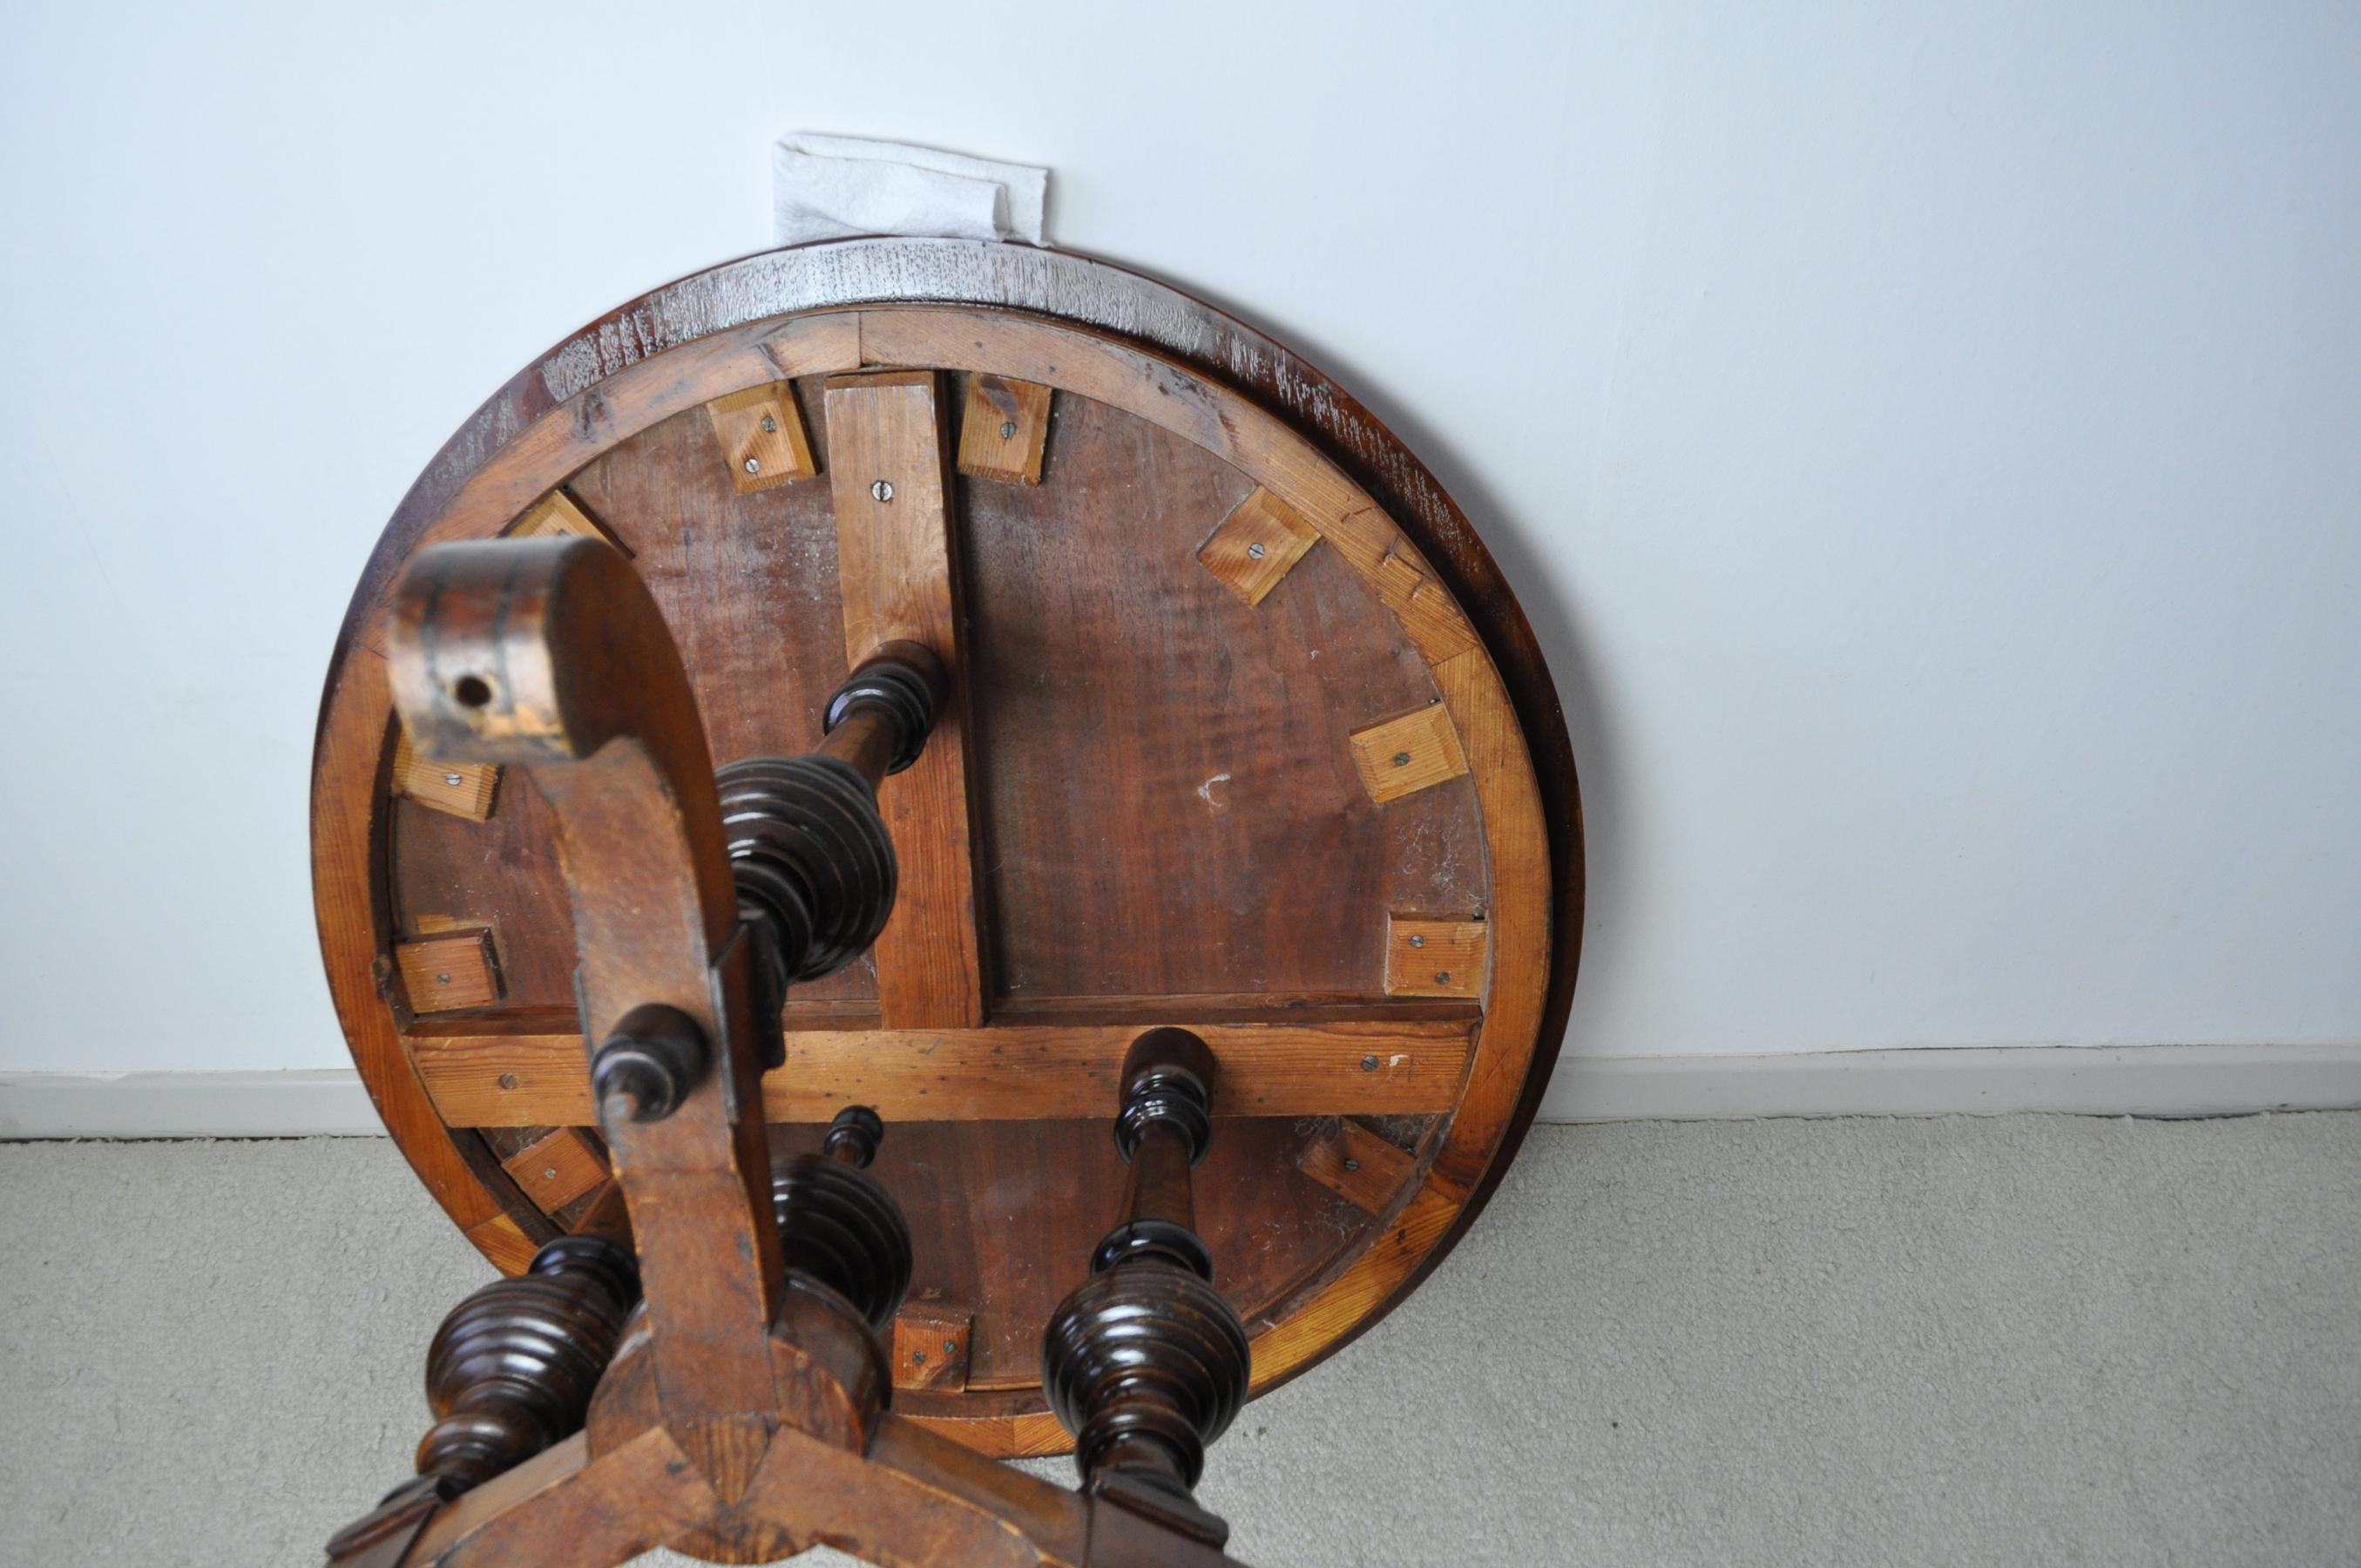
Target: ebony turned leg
[
  {"x": 815, "y": 873},
  {"x": 1146, "y": 1363},
  {"x": 839, "y": 1225},
  {"x": 813, "y": 862},
  {"x": 510, "y": 1372}
]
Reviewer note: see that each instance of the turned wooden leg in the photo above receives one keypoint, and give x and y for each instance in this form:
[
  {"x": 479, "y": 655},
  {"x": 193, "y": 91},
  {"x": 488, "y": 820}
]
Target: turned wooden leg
[
  {"x": 1146, "y": 1363},
  {"x": 813, "y": 863},
  {"x": 509, "y": 1373},
  {"x": 839, "y": 1225}
]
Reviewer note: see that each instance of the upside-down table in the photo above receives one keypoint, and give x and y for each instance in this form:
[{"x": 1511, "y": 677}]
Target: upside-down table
[{"x": 942, "y": 852}]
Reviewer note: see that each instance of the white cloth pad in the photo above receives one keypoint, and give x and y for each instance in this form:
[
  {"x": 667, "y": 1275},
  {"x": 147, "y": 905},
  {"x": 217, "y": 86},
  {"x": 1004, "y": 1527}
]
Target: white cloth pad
[{"x": 833, "y": 187}]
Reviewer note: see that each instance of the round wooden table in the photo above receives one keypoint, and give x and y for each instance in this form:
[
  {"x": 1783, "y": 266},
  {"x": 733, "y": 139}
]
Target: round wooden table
[{"x": 1253, "y": 739}]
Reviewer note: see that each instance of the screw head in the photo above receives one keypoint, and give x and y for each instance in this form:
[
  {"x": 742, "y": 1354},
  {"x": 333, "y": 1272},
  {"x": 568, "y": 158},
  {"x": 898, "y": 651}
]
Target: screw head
[
  {"x": 951, "y": 1346},
  {"x": 1418, "y": 941},
  {"x": 753, "y": 465},
  {"x": 1443, "y": 977},
  {"x": 508, "y": 1081},
  {"x": 1254, "y": 552},
  {"x": 1401, "y": 759},
  {"x": 1369, "y": 1064},
  {"x": 1008, "y": 430},
  {"x": 770, "y": 425},
  {"x": 882, "y": 491},
  {"x": 1352, "y": 1165},
  {"x": 442, "y": 980},
  {"x": 918, "y": 1358},
  {"x": 549, "y": 1173},
  {"x": 452, "y": 779}
]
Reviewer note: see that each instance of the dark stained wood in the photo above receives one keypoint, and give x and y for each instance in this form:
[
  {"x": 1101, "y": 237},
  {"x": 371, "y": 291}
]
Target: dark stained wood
[
  {"x": 1145, "y": 1361},
  {"x": 1436, "y": 846},
  {"x": 1171, "y": 804},
  {"x": 513, "y": 1366}
]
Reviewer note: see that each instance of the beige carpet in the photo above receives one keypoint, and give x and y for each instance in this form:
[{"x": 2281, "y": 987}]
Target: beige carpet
[{"x": 2023, "y": 1340}]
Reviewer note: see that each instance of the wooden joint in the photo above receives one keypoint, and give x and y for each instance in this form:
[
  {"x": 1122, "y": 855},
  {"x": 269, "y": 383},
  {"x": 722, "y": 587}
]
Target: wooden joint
[
  {"x": 449, "y": 971},
  {"x": 931, "y": 1346},
  {"x": 1402, "y": 756},
  {"x": 1257, "y": 545},
  {"x": 558, "y": 1168},
  {"x": 1436, "y": 958},
  {"x": 762, "y": 436},
  {"x": 1004, "y": 428},
  {"x": 503, "y": 1241},
  {"x": 1357, "y": 1164},
  {"x": 460, "y": 789},
  {"x": 558, "y": 512}
]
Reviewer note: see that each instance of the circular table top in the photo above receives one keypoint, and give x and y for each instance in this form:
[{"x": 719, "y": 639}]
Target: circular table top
[{"x": 1257, "y": 742}]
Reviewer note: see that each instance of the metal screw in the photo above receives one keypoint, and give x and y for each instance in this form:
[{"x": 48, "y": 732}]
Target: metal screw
[
  {"x": 1418, "y": 941},
  {"x": 1401, "y": 759},
  {"x": 1369, "y": 1064},
  {"x": 1008, "y": 430},
  {"x": 1254, "y": 552},
  {"x": 770, "y": 425},
  {"x": 451, "y": 779},
  {"x": 918, "y": 1358},
  {"x": 951, "y": 1346},
  {"x": 882, "y": 490},
  {"x": 1443, "y": 977},
  {"x": 442, "y": 980},
  {"x": 508, "y": 1081},
  {"x": 549, "y": 1173},
  {"x": 1352, "y": 1165},
  {"x": 753, "y": 465}
]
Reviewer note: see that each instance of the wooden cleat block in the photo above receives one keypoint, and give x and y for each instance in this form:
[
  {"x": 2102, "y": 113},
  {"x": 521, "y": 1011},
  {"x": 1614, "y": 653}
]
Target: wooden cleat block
[
  {"x": 1004, "y": 429},
  {"x": 559, "y": 1168},
  {"x": 558, "y": 512},
  {"x": 1436, "y": 958},
  {"x": 762, "y": 436},
  {"x": 449, "y": 971},
  {"x": 502, "y": 1240},
  {"x": 1357, "y": 1164},
  {"x": 462, "y": 789},
  {"x": 1257, "y": 545},
  {"x": 931, "y": 1346},
  {"x": 1405, "y": 755}
]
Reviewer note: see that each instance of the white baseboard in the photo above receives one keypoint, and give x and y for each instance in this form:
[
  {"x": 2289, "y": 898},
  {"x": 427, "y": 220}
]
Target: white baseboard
[
  {"x": 2124, "y": 1081},
  {"x": 2086, "y": 1080},
  {"x": 186, "y": 1105}
]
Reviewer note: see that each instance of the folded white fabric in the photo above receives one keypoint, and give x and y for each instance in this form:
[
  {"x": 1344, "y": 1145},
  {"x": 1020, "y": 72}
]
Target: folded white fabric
[{"x": 833, "y": 187}]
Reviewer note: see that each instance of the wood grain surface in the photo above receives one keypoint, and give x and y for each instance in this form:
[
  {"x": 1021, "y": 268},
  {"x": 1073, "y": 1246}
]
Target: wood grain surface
[{"x": 1166, "y": 797}]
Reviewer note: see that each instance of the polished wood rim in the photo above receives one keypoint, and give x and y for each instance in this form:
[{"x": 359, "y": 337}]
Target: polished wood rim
[{"x": 1084, "y": 327}]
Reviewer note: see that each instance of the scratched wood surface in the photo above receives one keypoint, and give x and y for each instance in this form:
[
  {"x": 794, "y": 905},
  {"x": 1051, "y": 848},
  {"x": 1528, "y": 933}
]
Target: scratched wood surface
[{"x": 1170, "y": 807}]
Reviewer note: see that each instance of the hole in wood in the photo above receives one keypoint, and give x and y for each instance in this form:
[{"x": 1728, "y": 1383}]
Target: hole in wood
[{"x": 471, "y": 691}]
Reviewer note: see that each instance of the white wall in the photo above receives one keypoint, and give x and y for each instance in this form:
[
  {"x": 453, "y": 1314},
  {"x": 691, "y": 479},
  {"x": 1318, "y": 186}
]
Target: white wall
[{"x": 1928, "y": 444}]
